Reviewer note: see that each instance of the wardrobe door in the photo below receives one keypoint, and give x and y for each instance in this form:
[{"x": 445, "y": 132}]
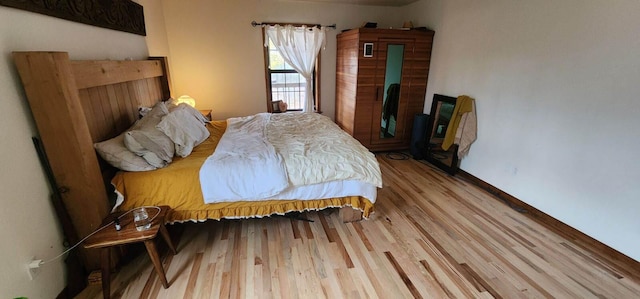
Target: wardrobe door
[{"x": 389, "y": 116}]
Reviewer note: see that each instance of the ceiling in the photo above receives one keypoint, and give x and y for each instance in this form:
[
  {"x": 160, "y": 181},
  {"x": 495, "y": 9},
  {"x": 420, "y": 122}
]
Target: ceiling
[{"x": 365, "y": 2}]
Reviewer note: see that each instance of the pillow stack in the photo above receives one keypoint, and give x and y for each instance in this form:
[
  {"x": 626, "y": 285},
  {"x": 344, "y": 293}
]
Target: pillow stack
[
  {"x": 151, "y": 143},
  {"x": 184, "y": 128},
  {"x": 146, "y": 141}
]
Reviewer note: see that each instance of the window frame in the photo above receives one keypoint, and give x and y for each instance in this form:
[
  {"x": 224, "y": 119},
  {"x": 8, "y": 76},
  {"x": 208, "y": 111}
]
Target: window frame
[{"x": 268, "y": 72}]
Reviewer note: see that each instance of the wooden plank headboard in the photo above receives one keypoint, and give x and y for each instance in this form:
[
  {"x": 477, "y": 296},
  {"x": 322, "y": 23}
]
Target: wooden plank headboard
[{"x": 77, "y": 103}]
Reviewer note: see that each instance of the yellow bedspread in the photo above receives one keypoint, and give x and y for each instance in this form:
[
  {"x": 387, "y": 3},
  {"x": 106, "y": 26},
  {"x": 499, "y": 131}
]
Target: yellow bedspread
[{"x": 178, "y": 186}]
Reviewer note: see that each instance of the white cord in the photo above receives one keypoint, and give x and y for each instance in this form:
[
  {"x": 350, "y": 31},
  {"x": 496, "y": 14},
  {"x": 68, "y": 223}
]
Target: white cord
[
  {"x": 101, "y": 228},
  {"x": 74, "y": 246}
]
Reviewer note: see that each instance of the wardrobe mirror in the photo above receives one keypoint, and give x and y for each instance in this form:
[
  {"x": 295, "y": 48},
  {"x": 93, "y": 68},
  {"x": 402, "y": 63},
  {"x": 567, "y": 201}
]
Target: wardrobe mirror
[
  {"x": 441, "y": 113},
  {"x": 393, "y": 73}
]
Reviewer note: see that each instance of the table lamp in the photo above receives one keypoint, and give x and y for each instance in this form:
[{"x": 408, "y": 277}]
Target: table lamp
[{"x": 188, "y": 100}]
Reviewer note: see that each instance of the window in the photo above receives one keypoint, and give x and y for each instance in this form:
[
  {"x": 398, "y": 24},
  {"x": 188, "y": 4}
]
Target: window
[{"x": 286, "y": 84}]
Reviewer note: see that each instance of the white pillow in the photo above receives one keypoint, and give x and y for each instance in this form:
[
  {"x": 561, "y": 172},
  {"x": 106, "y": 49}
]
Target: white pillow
[
  {"x": 193, "y": 111},
  {"x": 136, "y": 148},
  {"x": 184, "y": 129},
  {"x": 115, "y": 153},
  {"x": 143, "y": 139},
  {"x": 170, "y": 104}
]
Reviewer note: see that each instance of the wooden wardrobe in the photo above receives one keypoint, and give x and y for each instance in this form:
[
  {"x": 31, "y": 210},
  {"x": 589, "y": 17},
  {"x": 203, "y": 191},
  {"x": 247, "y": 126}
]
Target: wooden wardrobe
[{"x": 381, "y": 81}]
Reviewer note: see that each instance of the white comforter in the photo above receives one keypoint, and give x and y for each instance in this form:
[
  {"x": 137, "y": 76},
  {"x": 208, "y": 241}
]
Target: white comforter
[{"x": 261, "y": 156}]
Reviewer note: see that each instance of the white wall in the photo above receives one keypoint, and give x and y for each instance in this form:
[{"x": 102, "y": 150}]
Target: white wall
[
  {"x": 557, "y": 85},
  {"x": 156, "y": 38},
  {"x": 216, "y": 55},
  {"x": 28, "y": 225}
]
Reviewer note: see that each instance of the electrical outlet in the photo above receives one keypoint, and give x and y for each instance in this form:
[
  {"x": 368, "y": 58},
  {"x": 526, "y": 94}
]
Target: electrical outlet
[{"x": 33, "y": 268}]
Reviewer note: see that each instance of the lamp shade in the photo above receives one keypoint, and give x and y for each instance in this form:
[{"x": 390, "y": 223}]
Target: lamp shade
[{"x": 188, "y": 100}]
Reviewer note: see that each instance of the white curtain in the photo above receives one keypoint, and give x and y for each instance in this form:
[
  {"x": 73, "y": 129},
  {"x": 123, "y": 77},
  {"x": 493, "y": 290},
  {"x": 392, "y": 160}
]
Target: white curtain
[{"x": 299, "y": 46}]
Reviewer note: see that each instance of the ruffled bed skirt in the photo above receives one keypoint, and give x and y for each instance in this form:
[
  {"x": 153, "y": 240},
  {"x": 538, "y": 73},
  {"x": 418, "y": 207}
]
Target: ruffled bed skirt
[{"x": 240, "y": 210}]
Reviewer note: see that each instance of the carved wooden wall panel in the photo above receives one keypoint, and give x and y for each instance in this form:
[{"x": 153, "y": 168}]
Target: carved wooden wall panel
[{"x": 122, "y": 15}]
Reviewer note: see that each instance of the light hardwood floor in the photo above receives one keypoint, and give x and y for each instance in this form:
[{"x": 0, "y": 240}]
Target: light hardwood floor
[{"x": 432, "y": 236}]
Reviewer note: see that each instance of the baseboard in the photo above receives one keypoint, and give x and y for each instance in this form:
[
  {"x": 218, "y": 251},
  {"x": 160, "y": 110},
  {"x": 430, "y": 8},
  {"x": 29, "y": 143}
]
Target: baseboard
[{"x": 629, "y": 267}]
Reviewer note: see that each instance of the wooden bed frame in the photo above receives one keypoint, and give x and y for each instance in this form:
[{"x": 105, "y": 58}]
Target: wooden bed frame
[
  {"x": 75, "y": 104},
  {"x": 78, "y": 103}
]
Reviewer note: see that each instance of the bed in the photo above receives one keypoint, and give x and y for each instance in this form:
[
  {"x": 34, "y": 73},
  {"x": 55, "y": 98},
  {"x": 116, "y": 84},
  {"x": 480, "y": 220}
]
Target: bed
[
  {"x": 313, "y": 167},
  {"x": 77, "y": 104}
]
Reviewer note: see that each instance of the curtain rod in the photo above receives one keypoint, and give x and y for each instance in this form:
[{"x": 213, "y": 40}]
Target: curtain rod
[{"x": 254, "y": 24}]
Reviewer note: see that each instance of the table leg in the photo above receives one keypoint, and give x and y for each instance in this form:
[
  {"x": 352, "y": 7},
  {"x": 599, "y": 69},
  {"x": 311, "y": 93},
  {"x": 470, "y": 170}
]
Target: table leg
[
  {"x": 106, "y": 272},
  {"x": 167, "y": 238},
  {"x": 153, "y": 254}
]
